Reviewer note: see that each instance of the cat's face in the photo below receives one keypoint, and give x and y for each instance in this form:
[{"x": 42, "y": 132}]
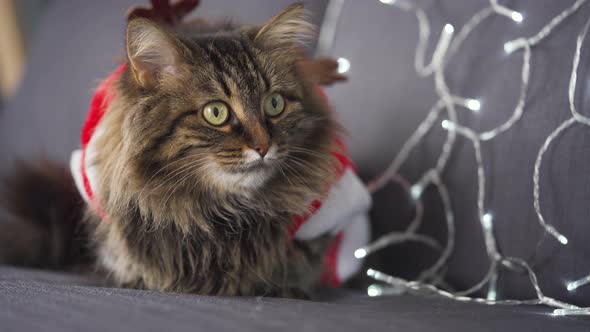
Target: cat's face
[{"x": 226, "y": 109}]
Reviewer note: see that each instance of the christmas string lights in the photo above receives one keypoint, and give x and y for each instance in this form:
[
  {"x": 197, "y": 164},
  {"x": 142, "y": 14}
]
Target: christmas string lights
[
  {"x": 328, "y": 28},
  {"x": 448, "y": 44},
  {"x": 447, "y": 101},
  {"x": 576, "y": 118}
]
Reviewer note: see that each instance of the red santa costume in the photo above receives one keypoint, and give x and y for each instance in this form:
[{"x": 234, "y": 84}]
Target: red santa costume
[{"x": 343, "y": 212}]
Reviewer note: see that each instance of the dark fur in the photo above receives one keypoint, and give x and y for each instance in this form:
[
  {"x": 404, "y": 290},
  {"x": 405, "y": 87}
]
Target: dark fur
[{"x": 44, "y": 211}]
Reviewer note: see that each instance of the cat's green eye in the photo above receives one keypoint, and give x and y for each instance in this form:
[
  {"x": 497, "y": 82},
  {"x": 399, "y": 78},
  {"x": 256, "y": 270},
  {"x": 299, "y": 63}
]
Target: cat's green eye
[
  {"x": 216, "y": 113},
  {"x": 274, "y": 104}
]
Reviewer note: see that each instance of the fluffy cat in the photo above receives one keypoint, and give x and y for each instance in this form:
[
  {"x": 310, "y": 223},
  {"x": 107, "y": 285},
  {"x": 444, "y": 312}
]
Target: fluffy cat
[{"x": 211, "y": 142}]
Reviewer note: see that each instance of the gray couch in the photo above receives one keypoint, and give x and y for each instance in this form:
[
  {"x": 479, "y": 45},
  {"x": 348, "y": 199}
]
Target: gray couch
[{"x": 79, "y": 42}]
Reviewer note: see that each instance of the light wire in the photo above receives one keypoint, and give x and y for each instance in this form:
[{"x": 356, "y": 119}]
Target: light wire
[{"x": 447, "y": 46}]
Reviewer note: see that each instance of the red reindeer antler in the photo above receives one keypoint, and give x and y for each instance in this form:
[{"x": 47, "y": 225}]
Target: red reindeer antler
[
  {"x": 322, "y": 71},
  {"x": 164, "y": 11}
]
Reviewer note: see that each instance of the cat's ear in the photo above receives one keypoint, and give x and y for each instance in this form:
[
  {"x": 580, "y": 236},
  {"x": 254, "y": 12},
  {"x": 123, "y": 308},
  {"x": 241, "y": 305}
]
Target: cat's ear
[
  {"x": 287, "y": 29},
  {"x": 153, "y": 52}
]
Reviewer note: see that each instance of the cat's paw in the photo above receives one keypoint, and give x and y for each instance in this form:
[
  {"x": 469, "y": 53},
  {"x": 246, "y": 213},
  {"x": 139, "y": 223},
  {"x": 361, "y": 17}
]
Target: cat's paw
[
  {"x": 285, "y": 292},
  {"x": 134, "y": 284},
  {"x": 294, "y": 293}
]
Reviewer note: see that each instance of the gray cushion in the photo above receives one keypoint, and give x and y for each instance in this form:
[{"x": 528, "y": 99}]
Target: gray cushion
[{"x": 33, "y": 300}]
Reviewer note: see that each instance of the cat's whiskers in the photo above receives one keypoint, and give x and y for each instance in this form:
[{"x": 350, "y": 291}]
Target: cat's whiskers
[
  {"x": 233, "y": 229},
  {"x": 191, "y": 172},
  {"x": 298, "y": 176},
  {"x": 307, "y": 163},
  {"x": 172, "y": 190},
  {"x": 163, "y": 168},
  {"x": 173, "y": 174},
  {"x": 285, "y": 175},
  {"x": 301, "y": 162},
  {"x": 194, "y": 155},
  {"x": 307, "y": 151}
]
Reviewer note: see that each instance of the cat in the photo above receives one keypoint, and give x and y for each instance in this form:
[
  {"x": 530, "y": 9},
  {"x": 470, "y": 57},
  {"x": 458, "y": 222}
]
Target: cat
[{"x": 210, "y": 143}]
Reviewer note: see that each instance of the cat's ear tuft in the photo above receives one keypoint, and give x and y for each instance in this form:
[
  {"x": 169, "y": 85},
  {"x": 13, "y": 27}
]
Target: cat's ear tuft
[
  {"x": 152, "y": 51},
  {"x": 287, "y": 29}
]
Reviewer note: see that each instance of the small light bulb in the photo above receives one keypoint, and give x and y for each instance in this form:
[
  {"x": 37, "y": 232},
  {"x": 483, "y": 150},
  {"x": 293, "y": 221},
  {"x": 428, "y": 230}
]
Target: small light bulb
[
  {"x": 516, "y": 17},
  {"x": 360, "y": 253},
  {"x": 416, "y": 191},
  {"x": 387, "y": 2},
  {"x": 509, "y": 47},
  {"x": 449, "y": 28},
  {"x": 374, "y": 290},
  {"x": 558, "y": 312},
  {"x": 562, "y": 239},
  {"x": 492, "y": 295},
  {"x": 371, "y": 272},
  {"x": 343, "y": 65},
  {"x": 571, "y": 311},
  {"x": 572, "y": 286},
  {"x": 473, "y": 105},
  {"x": 487, "y": 136},
  {"x": 448, "y": 125},
  {"x": 487, "y": 220}
]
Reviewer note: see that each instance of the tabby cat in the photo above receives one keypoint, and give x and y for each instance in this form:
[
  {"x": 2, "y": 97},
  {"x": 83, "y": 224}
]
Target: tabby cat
[{"x": 211, "y": 142}]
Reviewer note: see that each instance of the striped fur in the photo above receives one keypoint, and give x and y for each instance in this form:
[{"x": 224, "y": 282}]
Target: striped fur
[{"x": 183, "y": 215}]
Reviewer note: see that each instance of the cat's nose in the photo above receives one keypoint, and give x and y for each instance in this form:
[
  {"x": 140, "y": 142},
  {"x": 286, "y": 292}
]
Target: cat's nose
[{"x": 261, "y": 149}]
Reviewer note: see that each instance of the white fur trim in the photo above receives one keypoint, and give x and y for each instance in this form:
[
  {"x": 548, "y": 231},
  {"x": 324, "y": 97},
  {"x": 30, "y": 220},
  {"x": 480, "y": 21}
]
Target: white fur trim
[
  {"x": 355, "y": 236},
  {"x": 348, "y": 198},
  {"x": 76, "y": 169},
  {"x": 89, "y": 169}
]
